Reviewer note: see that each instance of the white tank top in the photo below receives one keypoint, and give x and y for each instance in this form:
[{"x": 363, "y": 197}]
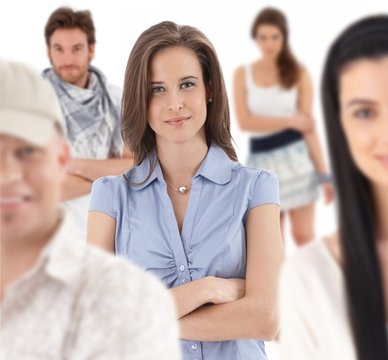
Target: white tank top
[{"x": 272, "y": 101}]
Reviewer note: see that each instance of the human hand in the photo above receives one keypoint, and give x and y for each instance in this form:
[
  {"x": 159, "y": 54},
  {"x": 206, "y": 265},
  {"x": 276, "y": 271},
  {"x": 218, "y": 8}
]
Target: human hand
[
  {"x": 328, "y": 192},
  {"x": 227, "y": 290}
]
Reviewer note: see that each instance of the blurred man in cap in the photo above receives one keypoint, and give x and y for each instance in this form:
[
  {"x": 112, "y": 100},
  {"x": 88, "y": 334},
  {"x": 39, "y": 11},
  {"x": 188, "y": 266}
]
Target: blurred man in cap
[{"x": 61, "y": 299}]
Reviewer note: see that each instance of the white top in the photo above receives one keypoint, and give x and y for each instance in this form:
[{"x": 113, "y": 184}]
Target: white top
[
  {"x": 314, "y": 320},
  {"x": 79, "y": 302},
  {"x": 272, "y": 101}
]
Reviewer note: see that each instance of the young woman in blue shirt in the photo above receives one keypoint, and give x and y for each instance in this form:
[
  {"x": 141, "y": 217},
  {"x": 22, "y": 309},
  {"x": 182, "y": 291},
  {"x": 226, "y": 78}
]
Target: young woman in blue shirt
[{"x": 207, "y": 226}]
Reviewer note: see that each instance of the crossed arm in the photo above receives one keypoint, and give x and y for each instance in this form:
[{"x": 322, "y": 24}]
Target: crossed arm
[
  {"x": 82, "y": 172},
  {"x": 254, "y": 123},
  {"x": 241, "y": 309},
  {"x": 255, "y": 314},
  {"x": 303, "y": 121}
]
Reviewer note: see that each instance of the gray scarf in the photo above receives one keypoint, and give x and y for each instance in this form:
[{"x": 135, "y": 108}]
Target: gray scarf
[{"x": 92, "y": 115}]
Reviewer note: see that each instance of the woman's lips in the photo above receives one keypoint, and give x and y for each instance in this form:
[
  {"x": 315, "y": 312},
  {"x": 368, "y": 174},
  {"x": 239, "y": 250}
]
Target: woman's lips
[{"x": 178, "y": 121}]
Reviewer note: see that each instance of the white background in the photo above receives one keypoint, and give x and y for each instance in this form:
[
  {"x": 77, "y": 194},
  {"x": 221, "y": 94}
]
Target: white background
[{"x": 313, "y": 25}]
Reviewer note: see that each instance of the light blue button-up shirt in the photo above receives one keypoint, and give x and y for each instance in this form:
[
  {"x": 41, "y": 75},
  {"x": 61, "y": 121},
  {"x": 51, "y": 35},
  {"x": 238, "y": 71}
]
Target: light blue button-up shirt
[{"x": 212, "y": 241}]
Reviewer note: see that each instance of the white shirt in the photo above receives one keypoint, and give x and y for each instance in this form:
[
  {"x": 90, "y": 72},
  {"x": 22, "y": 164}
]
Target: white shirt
[
  {"x": 271, "y": 101},
  {"x": 314, "y": 319},
  {"x": 79, "y": 302}
]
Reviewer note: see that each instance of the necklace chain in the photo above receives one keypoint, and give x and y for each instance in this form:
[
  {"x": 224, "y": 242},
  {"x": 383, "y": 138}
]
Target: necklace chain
[{"x": 180, "y": 189}]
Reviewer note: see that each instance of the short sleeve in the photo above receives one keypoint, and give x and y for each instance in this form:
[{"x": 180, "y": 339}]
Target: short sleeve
[
  {"x": 265, "y": 190},
  {"x": 101, "y": 198}
]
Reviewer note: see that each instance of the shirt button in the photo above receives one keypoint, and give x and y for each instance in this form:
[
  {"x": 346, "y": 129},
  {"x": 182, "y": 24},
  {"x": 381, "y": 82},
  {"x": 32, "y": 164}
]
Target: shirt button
[
  {"x": 182, "y": 268},
  {"x": 194, "y": 347}
]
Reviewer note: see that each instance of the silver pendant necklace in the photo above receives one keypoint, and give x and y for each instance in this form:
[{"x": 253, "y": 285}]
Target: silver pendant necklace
[{"x": 181, "y": 189}]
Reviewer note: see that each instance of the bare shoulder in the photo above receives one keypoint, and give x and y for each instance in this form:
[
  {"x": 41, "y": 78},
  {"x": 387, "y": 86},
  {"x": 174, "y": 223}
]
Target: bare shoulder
[
  {"x": 239, "y": 74},
  {"x": 304, "y": 77}
]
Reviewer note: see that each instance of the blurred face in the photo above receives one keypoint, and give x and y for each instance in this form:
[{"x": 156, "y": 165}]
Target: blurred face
[
  {"x": 30, "y": 184},
  {"x": 364, "y": 116},
  {"x": 70, "y": 55},
  {"x": 270, "y": 40},
  {"x": 177, "y": 109}
]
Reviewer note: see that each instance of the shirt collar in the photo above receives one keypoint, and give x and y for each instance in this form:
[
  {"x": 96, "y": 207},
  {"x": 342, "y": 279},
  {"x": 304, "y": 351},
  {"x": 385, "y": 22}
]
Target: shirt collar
[
  {"x": 138, "y": 175},
  {"x": 216, "y": 167},
  {"x": 60, "y": 259}
]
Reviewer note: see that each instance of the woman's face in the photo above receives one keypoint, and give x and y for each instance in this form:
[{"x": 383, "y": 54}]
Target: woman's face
[
  {"x": 177, "y": 109},
  {"x": 364, "y": 116},
  {"x": 269, "y": 38}
]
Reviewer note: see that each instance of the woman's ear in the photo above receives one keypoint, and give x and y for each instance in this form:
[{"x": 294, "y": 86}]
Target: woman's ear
[{"x": 209, "y": 94}]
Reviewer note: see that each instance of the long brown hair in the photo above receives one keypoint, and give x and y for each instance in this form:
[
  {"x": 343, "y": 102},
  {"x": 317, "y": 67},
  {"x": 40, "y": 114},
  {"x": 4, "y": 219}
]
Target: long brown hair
[
  {"x": 136, "y": 132},
  {"x": 67, "y": 18},
  {"x": 289, "y": 69}
]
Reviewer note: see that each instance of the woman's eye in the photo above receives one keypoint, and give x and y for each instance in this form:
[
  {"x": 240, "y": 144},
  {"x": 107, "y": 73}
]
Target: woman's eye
[
  {"x": 365, "y": 114},
  {"x": 157, "y": 89},
  {"x": 186, "y": 85}
]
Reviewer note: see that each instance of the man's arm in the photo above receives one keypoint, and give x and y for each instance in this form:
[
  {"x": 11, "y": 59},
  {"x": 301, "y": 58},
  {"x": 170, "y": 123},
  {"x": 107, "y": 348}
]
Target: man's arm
[
  {"x": 94, "y": 169},
  {"x": 75, "y": 186}
]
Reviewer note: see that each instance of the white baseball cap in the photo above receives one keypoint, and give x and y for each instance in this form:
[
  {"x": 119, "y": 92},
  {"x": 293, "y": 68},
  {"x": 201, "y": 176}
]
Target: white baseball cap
[{"x": 29, "y": 106}]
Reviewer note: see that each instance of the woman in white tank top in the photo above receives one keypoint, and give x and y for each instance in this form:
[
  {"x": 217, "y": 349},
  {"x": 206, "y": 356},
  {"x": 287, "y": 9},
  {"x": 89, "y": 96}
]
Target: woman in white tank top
[{"x": 273, "y": 98}]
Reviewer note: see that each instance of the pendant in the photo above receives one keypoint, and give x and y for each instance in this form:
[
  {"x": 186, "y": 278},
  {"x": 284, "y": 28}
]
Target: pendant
[{"x": 182, "y": 189}]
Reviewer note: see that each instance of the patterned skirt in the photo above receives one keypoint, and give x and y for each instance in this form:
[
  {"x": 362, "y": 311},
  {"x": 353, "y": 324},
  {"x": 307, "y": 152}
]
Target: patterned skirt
[{"x": 298, "y": 183}]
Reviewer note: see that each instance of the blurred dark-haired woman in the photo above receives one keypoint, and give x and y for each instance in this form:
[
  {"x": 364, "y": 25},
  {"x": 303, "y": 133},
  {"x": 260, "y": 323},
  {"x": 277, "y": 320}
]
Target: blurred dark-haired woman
[{"x": 334, "y": 293}]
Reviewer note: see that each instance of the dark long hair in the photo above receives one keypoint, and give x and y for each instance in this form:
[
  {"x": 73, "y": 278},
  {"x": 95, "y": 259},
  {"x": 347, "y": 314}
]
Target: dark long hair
[
  {"x": 289, "y": 69},
  {"x": 67, "y": 18},
  {"x": 365, "y": 39},
  {"x": 137, "y": 134}
]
